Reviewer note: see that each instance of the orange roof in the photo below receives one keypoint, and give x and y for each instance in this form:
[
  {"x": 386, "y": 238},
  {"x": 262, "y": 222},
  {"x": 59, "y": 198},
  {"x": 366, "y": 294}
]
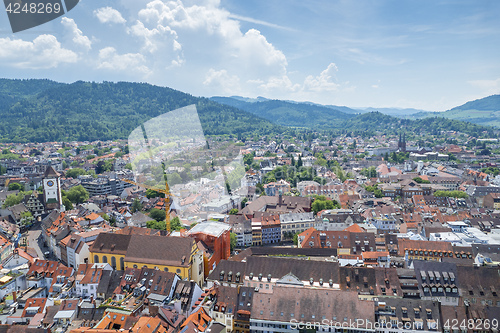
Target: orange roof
[
  {"x": 149, "y": 325},
  {"x": 199, "y": 318},
  {"x": 354, "y": 228},
  {"x": 92, "y": 216},
  {"x": 374, "y": 254}
]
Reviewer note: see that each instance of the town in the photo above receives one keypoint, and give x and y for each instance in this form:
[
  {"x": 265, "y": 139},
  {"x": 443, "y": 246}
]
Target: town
[{"x": 383, "y": 233}]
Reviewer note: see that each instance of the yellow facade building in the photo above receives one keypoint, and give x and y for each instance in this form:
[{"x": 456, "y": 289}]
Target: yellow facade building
[{"x": 171, "y": 254}]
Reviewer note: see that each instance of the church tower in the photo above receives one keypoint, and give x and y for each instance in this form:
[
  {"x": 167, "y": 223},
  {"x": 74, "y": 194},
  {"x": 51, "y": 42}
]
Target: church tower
[{"x": 52, "y": 189}]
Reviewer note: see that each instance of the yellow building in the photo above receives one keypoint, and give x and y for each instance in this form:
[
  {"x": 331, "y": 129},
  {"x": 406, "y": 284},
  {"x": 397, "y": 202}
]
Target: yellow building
[{"x": 171, "y": 254}]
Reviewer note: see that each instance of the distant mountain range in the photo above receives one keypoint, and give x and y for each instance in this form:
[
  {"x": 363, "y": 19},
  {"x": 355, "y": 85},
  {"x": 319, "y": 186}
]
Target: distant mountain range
[
  {"x": 288, "y": 113},
  {"x": 484, "y": 111},
  {"x": 46, "y": 111}
]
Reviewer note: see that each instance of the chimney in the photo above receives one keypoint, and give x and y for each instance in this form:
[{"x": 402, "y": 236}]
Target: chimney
[{"x": 14, "y": 296}]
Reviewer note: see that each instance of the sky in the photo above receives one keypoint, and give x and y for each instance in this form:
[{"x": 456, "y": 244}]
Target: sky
[{"x": 425, "y": 54}]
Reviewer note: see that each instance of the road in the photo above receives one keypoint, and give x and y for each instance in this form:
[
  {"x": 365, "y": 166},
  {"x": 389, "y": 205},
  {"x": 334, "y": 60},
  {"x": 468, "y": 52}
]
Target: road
[{"x": 34, "y": 242}]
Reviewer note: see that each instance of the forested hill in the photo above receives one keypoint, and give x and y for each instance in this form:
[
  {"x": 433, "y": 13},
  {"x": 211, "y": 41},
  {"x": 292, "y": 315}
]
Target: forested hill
[
  {"x": 289, "y": 113},
  {"x": 44, "y": 111},
  {"x": 367, "y": 124}
]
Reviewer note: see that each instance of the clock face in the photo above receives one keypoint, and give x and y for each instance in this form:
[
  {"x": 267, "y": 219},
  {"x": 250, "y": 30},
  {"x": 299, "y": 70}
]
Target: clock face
[{"x": 50, "y": 183}]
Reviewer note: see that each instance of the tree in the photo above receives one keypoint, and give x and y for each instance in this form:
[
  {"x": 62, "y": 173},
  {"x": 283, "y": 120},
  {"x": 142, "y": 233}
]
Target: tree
[
  {"x": 159, "y": 225},
  {"x": 232, "y": 242},
  {"x": 244, "y": 202},
  {"x": 157, "y": 214},
  {"x": 175, "y": 224},
  {"x": 233, "y": 211},
  {"x": 451, "y": 194},
  {"x": 77, "y": 194},
  {"x": 13, "y": 199},
  {"x": 136, "y": 205},
  {"x": 153, "y": 194},
  {"x": 299, "y": 161},
  {"x": 67, "y": 203},
  {"x": 296, "y": 238},
  {"x": 15, "y": 187},
  {"x": 26, "y": 218},
  {"x": 75, "y": 172},
  {"x": 421, "y": 181}
]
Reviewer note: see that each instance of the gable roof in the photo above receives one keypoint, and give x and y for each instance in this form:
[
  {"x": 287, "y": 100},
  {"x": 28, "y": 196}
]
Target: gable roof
[
  {"x": 51, "y": 173},
  {"x": 174, "y": 251}
]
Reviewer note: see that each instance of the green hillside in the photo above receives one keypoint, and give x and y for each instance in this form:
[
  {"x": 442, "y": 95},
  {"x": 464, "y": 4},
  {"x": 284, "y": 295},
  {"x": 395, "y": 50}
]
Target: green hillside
[
  {"x": 484, "y": 111},
  {"x": 288, "y": 113},
  {"x": 43, "y": 111}
]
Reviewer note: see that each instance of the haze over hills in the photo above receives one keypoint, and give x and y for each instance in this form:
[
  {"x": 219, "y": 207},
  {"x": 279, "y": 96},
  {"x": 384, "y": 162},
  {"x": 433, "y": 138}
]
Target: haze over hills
[
  {"x": 484, "y": 111},
  {"x": 396, "y": 112},
  {"x": 45, "y": 111}
]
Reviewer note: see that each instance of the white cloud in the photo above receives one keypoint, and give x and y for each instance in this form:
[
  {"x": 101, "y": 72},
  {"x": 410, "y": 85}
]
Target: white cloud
[
  {"x": 222, "y": 80},
  {"x": 204, "y": 35},
  {"x": 43, "y": 52},
  {"x": 109, "y": 15},
  {"x": 323, "y": 82},
  {"x": 111, "y": 60},
  {"x": 77, "y": 35},
  {"x": 156, "y": 37}
]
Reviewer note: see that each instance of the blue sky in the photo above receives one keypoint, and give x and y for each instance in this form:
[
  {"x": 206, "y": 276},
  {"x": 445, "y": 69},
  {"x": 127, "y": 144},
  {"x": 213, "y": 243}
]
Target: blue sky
[{"x": 431, "y": 55}]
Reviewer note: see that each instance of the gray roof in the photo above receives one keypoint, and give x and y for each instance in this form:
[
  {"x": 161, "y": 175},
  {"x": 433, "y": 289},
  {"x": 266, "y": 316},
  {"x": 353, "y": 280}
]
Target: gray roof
[{"x": 211, "y": 228}]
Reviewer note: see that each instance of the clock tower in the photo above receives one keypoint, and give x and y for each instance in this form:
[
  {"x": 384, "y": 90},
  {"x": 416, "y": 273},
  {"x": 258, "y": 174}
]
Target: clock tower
[{"x": 52, "y": 189}]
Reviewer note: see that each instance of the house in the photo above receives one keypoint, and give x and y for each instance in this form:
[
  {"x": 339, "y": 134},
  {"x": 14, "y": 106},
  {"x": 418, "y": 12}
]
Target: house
[
  {"x": 138, "y": 219},
  {"x": 492, "y": 200},
  {"x": 265, "y": 273},
  {"x": 170, "y": 254},
  {"x": 88, "y": 277},
  {"x": 198, "y": 321},
  {"x": 213, "y": 238},
  {"x": 292, "y": 308},
  {"x": 51, "y": 276},
  {"x": 376, "y": 258},
  {"x": 67, "y": 312},
  {"x": 354, "y": 239},
  {"x": 409, "y": 314},
  {"x": 155, "y": 285},
  {"x": 17, "y": 258},
  {"x": 186, "y": 294}
]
